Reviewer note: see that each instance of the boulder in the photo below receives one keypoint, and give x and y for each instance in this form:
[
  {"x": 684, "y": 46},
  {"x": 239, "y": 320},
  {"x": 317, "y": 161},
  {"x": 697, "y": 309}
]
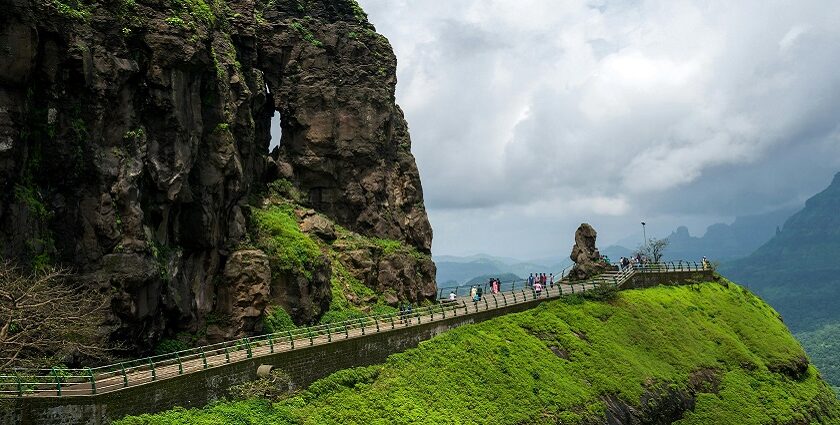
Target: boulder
[
  {"x": 585, "y": 254},
  {"x": 245, "y": 293}
]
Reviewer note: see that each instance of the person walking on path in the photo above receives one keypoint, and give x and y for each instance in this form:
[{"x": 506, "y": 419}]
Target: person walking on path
[
  {"x": 531, "y": 280},
  {"x": 551, "y": 280}
]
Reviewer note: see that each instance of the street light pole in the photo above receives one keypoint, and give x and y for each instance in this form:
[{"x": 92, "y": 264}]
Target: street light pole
[{"x": 644, "y": 233}]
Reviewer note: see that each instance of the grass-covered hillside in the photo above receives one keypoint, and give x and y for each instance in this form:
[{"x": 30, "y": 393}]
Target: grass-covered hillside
[{"x": 711, "y": 353}]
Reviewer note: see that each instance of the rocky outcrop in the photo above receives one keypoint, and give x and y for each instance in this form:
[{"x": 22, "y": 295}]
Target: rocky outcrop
[
  {"x": 129, "y": 147},
  {"x": 585, "y": 254},
  {"x": 243, "y": 295}
]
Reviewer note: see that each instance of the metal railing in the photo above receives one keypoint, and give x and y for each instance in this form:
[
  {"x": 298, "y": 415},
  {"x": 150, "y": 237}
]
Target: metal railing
[{"x": 58, "y": 382}]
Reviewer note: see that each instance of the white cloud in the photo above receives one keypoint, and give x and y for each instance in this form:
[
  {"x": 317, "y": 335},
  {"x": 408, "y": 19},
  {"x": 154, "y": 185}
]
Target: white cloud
[{"x": 611, "y": 109}]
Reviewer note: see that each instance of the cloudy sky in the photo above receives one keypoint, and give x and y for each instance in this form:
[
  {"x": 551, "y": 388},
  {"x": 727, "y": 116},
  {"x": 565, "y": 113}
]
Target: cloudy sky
[{"x": 529, "y": 117}]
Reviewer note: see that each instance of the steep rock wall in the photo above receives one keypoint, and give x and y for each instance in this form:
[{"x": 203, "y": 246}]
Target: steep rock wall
[{"x": 132, "y": 135}]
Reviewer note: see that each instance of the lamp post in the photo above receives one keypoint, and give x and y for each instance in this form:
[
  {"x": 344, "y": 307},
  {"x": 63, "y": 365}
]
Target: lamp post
[{"x": 644, "y": 233}]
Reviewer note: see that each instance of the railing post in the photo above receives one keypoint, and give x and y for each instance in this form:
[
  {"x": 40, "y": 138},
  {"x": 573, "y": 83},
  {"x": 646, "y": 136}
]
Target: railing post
[
  {"x": 152, "y": 365},
  {"x": 392, "y": 321},
  {"x": 486, "y": 307},
  {"x": 309, "y": 334},
  {"x": 54, "y": 373},
  {"x": 92, "y": 382},
  {"x": 203, "y": 358},
  {"x": 432, "y": 312},
  {"x": 346, "y": 332},
  {"x": 442, "y": 311},
  {"x": 291, "y": 339},
  {"x": 271, "y": 343},
  {"x": 329, "y": 334},
  {"x": 248, "y": 347},
  {"x": 227, "y": 355},
  {"x": 377, "y": 323},
  {"x": 514, "y": 296},
  {"x": 19, "y": 385},
  {"x": 125, "y": 377},
  {"x": 180, "y": 366},
  {"x": 464, "y": 303},
  {"x": 362, "y": 325},
  {"x": 495, "y": 300}
]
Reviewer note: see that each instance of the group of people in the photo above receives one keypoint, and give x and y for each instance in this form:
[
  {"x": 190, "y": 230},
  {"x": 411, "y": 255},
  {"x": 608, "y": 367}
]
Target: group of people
[
  {"x": 540, "y": 281},
  {"x": 635, "y": 260}
]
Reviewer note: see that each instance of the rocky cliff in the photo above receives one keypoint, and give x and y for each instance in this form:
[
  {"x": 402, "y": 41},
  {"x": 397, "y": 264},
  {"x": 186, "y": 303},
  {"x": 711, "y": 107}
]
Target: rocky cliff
[{"x": 134, "y": 148}]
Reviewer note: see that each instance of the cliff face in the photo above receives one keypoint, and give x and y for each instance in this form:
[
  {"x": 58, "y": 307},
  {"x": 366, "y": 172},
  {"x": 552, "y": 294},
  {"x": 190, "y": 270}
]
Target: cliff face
[{"x": 134, "y": 146}]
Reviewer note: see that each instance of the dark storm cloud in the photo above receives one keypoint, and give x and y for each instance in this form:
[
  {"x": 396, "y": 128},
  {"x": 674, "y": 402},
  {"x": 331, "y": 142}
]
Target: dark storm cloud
[{"x": 528, "y": 117}]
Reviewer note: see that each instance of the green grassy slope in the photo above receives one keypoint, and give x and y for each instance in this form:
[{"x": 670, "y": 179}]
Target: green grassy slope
[{"x": 572, "y": 360}]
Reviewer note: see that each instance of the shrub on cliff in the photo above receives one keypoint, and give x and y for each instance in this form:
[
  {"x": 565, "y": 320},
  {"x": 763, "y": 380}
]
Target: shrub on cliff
[{"x": 279, "y": 235}]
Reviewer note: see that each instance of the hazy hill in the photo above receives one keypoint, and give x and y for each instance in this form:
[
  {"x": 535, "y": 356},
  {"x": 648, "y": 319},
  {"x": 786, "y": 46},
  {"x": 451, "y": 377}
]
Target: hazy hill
[
  {"x": 463, "y": 269},
  {"x": 720, "y": 242},
  {"x": 724, "y": 242},
  {"x": 709, "y": 354},
  {"x": 798, "y": 272}
]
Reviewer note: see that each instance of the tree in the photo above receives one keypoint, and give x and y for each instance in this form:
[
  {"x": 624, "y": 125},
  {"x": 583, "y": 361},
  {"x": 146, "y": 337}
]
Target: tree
[
  {"x": 654, "y": 250},
  {"x": 44, "y": 318}
]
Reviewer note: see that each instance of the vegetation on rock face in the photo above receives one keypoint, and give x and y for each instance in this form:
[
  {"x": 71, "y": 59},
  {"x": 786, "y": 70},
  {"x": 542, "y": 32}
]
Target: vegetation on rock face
[
  {"x": 278, "y": 220},
  {"x": 280, "y": 236},
  {"x": 570, "y": 361}
]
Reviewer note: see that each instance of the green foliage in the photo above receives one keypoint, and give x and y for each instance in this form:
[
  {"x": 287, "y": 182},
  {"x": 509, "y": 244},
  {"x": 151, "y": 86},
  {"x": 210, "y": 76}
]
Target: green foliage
[
  {"x": 823, "y": 346},
  {"x": 166, "y": 346},
  {"x": 29, "y": 196},
  {"x": 358, "y": 12},
  {"x": 306, "y": 34},
  {"x": 279, "y": 236},
  {"x": 73, "y": 9},
  {"x": 277, "y": 319},
  {"x": 285, "y": 189},
  {"x": 222, "y": 128},
  {"x": 134, "y": 134},
  {"x": 389, "y": 246},
  {"x": 601, "y": 293},
  {"x": 554, "y": 363},
  {"x": 352, "y": 378},
  {"x": 197, "y": 9},
  {"x": 176, "y": 21}
]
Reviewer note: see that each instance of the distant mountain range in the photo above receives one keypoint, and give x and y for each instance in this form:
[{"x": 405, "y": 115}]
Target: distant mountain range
[
  {"x": 721, "y": 242},
  {"x": 798, "y": 273},
  {"x": 455, "y": 270},
  {"x": 798, "y": 270}
]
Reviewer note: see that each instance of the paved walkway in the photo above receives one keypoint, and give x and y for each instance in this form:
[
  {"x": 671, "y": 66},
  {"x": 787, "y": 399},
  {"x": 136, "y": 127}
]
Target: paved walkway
[{"x": 88, "y": 382}]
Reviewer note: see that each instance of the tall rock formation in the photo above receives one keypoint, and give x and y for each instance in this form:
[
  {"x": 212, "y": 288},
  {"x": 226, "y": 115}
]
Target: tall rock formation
[
  {"x": 134, "y": 136},
  {"x": 585, "y": 254}
]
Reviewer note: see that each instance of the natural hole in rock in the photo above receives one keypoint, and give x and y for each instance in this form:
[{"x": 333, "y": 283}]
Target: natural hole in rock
[{"x": 276, "y": 131}]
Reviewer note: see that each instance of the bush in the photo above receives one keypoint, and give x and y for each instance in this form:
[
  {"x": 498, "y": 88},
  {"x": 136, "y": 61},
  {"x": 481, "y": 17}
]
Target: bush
[
  {"x": 166, "y": 346},
  {"x": 279, "y": 236},
  {"x": 276, "y": 319}
]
